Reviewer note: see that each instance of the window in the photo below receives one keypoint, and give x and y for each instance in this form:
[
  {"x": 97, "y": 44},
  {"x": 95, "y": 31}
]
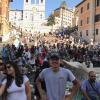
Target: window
[
  {"x": 22, "y": 17},
  {"x": 81, "y": 22},
  {"x": 37, "y": 1},
  {"x": 97, "y": 18},
  {"x": 32, "y": 18},
  {"x": 88, "y": 6},
  {"x": 87, "y": 33},
  {"x": 26, "y": 0},
  {"x": 0, "y": 26},
  {"x": 97, "y": 2},
  {"x": 87, "y": 20},
  {"x": 32, "y": 1},
  {"x": 96, "y": 31},
  {"x": 11, "y": 0},
  {"x": 15, "y": 17},
  {"x": 41, "y": 1},
  {"x": 0, "y": 10},
  {"x": 80, "y": 34},
  {"x": 82, "y": 10}
]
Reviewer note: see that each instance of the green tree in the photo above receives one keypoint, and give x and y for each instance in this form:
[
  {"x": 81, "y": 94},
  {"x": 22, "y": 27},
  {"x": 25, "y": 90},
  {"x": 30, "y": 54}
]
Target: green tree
[{"x": 51, "y": 21}]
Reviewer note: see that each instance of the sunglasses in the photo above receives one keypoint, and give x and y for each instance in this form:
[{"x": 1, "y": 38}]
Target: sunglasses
[
  {"x": 8, "y": 67},
  {"x": 92, "y": 76},
  {"x": 53, "y": 59}
]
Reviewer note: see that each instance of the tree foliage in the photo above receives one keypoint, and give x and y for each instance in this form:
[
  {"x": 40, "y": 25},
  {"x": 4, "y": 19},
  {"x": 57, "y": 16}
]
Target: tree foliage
[{"x": 51, "y": 20}]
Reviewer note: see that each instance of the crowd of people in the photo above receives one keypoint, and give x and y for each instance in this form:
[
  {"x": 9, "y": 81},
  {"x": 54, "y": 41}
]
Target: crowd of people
[{"x": 51, "y": 73}]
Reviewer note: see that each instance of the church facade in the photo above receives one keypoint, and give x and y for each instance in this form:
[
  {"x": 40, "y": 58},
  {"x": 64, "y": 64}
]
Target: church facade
[{"x": 31, "y": 17}]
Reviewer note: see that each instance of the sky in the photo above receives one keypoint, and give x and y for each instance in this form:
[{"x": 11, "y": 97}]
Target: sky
[{"x": 50, "y": 4}]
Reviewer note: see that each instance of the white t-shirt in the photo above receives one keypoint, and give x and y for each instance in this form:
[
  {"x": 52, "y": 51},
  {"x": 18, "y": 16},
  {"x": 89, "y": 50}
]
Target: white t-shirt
[{"x": 16, "y": 93}]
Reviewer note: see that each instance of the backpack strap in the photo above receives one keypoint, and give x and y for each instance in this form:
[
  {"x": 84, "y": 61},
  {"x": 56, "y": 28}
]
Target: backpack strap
[{"x": 93, "y": 87}]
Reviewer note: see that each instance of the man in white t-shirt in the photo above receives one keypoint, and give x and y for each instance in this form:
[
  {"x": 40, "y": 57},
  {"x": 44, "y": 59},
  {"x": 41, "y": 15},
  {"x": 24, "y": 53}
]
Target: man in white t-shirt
[{"x": 55, "y": 79}]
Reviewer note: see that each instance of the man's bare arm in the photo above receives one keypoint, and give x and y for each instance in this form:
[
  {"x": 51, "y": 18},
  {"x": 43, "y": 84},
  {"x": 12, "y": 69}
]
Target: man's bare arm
[
  {"x": 86, "y": 95},
  {"x": 38, "y": 84}
]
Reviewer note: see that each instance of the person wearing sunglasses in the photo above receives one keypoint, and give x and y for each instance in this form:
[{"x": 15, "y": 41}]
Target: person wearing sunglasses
[
  {"x": 2, "y": 75},
  {"x": 91, "y": 87},
  {"x": 16, "y": 86}
]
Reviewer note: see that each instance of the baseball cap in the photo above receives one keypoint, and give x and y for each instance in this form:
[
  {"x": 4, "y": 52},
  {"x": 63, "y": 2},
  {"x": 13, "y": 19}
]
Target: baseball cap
[{"x": 54, "y": 56}]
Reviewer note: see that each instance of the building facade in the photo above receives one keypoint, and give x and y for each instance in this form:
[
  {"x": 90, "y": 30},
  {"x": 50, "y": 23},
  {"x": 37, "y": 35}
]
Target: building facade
[
  {"x": 4, "y": 15},
  {"x": 16, "y": 17},
  {"x": 75, "y": 18},
  {"x": 33, "y": 14},
  {"x": 63, "y": 16},
  {"x": 0, "y": 18},
  {"x": 31, "y": 17},
  {"x": 88, "y": 12}
]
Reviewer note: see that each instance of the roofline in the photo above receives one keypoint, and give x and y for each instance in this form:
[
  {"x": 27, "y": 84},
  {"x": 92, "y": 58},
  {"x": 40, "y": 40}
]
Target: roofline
[
  {"x": 66, "y": 9},
  {"x": 56, "y": 9},
  {"x": 80, "y": 3},
  {"x": 16, "y": 10}
]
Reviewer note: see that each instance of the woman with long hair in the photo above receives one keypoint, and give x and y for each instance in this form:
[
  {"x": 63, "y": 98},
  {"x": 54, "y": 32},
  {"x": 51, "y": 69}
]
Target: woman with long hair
[{"x": 16, "y": 86}]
